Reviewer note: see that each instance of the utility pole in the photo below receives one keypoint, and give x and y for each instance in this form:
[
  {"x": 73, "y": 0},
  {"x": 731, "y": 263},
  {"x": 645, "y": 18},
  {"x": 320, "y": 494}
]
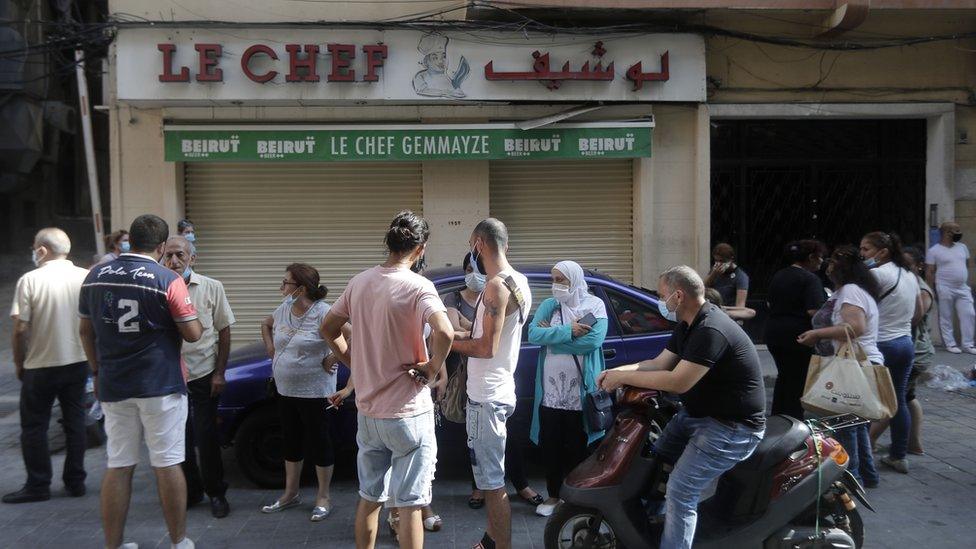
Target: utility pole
[{"x": 86, "y": 127}]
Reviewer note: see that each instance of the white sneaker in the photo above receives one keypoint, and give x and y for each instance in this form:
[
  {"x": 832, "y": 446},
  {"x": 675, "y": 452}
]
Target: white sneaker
[
  {"x": 954, "y": 350},
  {"x": 130, "y": 545},
  {"x": 970, "y": 350},
  {"x": 187, "y": 543},
  {"x": 547, "y": 509}
]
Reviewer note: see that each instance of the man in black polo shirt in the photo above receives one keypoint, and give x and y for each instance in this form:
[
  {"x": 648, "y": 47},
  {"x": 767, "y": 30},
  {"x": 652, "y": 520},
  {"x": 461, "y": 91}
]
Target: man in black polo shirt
[{"x": 712, "y": 363}]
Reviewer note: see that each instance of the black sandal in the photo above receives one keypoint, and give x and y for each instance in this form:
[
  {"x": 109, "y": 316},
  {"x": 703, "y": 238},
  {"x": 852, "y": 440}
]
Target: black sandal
[
  {"x": 476, "y": 503},
  {"x": 535, "y": 501},
  {"x": 485, "y": 543}
]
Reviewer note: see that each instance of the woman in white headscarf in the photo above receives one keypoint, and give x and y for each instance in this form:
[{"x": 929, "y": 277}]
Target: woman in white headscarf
[{"x": 570, "y": 327}]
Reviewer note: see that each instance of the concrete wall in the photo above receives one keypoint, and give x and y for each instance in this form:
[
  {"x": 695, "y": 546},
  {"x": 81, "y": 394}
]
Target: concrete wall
[{"x": 455, "y": 199}]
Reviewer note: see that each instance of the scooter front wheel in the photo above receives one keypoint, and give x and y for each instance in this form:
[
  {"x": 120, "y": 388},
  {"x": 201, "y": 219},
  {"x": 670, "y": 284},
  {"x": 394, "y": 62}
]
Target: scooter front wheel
[{"x": 575, "y": 527}]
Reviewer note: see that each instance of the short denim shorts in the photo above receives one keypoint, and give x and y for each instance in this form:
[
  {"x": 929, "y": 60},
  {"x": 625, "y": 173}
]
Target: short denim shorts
[
  {"x": 487, "y": 432},
  {"x": 397, "y": 459}
]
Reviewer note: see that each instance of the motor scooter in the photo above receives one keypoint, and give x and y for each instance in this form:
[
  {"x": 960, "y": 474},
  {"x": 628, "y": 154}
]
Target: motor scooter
[{"x": 794, "y": 491}]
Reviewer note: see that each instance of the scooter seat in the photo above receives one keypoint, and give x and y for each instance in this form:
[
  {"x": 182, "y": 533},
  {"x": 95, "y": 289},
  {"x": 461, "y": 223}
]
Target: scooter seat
[{"x": 784, "y": 435}]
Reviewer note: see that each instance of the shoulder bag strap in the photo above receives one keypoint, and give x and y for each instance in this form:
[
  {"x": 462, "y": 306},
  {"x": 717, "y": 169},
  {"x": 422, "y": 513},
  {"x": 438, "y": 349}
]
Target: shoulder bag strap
[
  {"x": 519, "y": 298},
  {"x": 892, "y": 288},
  {"x": 579, "y": 368}
]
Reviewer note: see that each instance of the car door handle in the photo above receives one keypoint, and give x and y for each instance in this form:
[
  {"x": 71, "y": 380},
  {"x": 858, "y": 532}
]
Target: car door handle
[{"x": 609, "y": 354}]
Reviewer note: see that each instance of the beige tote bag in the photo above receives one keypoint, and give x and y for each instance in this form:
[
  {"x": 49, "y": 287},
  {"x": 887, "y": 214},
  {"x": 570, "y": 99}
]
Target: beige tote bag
[{"x": 847, "y": 383}]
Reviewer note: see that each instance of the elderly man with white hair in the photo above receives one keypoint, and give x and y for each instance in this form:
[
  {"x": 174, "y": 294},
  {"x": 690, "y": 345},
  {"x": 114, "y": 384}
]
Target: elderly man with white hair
[
  {"x": 50, "y": 363},
  {"x": 713, "y": 364}
]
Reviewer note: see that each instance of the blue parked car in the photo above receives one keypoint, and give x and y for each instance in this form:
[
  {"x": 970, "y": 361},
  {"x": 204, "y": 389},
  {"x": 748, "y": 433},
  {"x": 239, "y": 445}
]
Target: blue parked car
[{"x": 248, "y": 419}]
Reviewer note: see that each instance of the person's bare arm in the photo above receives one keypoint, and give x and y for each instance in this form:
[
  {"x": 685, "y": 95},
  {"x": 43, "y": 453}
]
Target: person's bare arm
[
  {"x": 930, "y": 275},
  {"x": 87, "y": 333},
  {"x": 333, "y": 334},
  {"x": 441, "y": 335},
  {"x": 496, "y": 303},
  {"x": 218, "y": 381},
  {"x": 740, "y": 298},
  {"x": 267, "y": 335},
  {"x": 926, "y": 299},
  {"x": 191, "y": 330},
  {"x": 680, "y": 380},
  {"x": 20, "y": 339},
  {"x": 919, "y": 311},
  {"x": 851, "y": 315}
]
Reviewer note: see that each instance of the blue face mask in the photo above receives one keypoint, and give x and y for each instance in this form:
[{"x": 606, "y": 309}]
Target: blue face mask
[
  {"x": 125, "y": 246},
  {"x": 870, "y": 263},
  {"x": 474, "y": 261},
  {"x": 192, "y": 237},
  {"x": 290, "y": 299},
  {"x": 186, "y": 273},
  {"x": 475, "y": 282},
  {"x": 662, "y": 307}
]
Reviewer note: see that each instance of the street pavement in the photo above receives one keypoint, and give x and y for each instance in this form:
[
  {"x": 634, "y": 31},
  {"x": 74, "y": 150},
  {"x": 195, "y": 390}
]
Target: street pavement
[{"x": 933, "y": 506}]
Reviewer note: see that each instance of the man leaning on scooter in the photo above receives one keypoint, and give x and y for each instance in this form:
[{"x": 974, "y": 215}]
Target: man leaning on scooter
[{"x": 713, "y": 365}]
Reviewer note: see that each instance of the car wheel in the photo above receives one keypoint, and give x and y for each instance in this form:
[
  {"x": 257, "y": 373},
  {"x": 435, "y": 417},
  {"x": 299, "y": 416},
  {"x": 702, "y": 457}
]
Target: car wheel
[{"x": 257, "y": 446}]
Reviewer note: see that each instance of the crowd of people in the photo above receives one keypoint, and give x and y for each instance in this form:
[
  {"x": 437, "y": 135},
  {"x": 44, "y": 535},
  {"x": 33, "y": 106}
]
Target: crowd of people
[{"x": 156, "y": 335}]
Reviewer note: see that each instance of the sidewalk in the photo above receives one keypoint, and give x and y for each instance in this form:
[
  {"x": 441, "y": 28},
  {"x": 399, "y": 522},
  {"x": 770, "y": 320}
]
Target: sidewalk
[{"x": 933, "y": 506}]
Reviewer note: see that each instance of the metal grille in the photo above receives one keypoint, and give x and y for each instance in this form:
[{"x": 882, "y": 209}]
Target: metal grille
[{"x": 774, "y": 181}]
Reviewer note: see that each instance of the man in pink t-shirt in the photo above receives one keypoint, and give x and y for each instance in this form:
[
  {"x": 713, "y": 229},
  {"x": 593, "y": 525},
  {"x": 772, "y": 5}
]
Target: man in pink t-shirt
[{"x": 388, "y": 306}]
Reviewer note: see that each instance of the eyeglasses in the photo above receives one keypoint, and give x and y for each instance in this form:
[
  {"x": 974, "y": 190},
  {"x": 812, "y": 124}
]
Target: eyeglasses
[{"x": 288, "y": 283}]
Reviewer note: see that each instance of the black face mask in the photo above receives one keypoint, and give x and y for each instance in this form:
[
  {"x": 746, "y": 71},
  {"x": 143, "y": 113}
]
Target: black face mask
[
  {"x": 419, "y": 265},
  {"x": 957, "y": 237}
]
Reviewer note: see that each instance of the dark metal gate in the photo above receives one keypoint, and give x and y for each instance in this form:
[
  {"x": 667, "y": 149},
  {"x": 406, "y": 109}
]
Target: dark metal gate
[{"x": 774, "y": 181}]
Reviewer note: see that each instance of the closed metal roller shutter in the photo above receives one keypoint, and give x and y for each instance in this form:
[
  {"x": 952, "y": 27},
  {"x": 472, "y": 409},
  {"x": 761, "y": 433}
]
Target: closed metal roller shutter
[
  {"x": 253, "y": 220},
  {"x": 581, "y": 210}
]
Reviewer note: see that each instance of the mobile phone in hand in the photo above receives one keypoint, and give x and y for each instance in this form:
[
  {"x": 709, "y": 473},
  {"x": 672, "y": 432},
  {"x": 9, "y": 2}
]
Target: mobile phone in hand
[{"x": 589, "y": 320}]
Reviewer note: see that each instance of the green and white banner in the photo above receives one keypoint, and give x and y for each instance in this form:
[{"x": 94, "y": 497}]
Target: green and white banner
[{"x": 407, "y": 143}]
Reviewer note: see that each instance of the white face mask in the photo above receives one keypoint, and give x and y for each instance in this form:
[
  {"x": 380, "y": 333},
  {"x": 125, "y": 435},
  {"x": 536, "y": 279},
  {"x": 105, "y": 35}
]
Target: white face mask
[
  {"x": 34, "y": 258},
  {"x": 475, "y": 281},
  {"x": 560, "y": 292},
  {"x": 291, "y": 298}
]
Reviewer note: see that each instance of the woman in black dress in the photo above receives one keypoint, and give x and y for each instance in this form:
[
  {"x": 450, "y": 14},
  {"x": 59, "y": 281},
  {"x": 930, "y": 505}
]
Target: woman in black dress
[{"x": 795, "y": 295}]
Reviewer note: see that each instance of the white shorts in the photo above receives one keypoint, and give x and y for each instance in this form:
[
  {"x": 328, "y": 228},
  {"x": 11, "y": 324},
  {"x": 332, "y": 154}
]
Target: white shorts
[{"x": 163, "y": 421}]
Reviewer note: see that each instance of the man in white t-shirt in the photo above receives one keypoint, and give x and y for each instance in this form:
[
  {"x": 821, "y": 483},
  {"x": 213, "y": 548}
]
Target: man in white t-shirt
[
  {"x": 51, "y": 364},
  {"x": 493, "y": 351},
  {"x": 948, "y": 271}
]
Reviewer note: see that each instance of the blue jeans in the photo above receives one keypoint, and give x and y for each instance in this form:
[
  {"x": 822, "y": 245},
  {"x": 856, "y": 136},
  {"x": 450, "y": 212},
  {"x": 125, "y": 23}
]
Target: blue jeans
[
  {"x": 487, "y": 436},
  {"x": 701, "y": 449},
  {"x": 857, "y": 442},
  {"x": 899, "y": 353}
]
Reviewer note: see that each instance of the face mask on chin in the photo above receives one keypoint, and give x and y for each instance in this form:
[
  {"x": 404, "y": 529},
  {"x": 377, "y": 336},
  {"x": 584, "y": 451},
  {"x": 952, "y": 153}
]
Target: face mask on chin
[
  {"x": 870, "y": 262},
  {"x": 291, "y": 298}
]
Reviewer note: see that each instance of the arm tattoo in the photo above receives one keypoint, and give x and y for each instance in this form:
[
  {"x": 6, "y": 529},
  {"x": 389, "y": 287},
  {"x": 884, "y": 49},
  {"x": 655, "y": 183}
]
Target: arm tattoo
[{"x": 491, "y": 308}]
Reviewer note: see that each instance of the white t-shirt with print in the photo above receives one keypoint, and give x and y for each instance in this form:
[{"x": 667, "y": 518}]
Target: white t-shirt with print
[
  {"x": 854, "y": 295},
  {"x": 895, "y": 311}
]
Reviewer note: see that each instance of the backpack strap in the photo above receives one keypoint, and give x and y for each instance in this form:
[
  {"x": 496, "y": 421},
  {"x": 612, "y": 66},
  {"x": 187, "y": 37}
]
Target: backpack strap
[{"x": 519, "y": 298}]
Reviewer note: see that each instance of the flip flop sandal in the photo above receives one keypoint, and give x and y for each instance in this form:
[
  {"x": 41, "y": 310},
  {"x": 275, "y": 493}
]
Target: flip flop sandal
[
  {"x": 476, "y": 503},
  {"x": 536, "y": 500},
  {"x": 485, "y": 543},
  {"x": 433, "y": 524}
]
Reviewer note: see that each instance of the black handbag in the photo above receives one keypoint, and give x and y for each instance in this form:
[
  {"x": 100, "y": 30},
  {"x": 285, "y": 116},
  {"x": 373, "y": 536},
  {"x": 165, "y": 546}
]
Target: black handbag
[{"x": 597, "y": 405}]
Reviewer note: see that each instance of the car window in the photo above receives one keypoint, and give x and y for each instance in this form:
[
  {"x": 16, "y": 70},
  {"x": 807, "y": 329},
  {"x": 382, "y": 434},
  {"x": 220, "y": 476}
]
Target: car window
[{"x": 637, "y": 317}]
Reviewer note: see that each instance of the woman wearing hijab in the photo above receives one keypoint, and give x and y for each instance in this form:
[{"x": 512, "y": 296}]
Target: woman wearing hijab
[{"x": 570, "y": 360}]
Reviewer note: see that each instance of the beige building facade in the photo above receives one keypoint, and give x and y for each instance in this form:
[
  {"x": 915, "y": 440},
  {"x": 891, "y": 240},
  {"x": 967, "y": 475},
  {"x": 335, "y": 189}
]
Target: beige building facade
[{"x": 630, "y": 216}]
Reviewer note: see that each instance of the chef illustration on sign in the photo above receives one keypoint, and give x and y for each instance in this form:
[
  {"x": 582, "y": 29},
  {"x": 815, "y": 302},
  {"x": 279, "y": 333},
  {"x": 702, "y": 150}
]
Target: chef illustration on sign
[{"x": 433, "y": 80}]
